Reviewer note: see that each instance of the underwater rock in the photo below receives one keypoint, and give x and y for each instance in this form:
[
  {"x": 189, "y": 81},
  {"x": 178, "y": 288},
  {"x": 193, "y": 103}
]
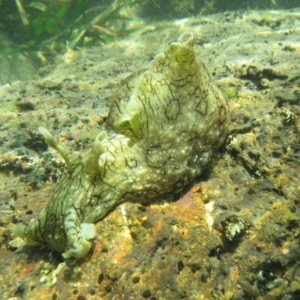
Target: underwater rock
[
  {"x": 234, "y": 228},
  {"x": 163, "y": 126}
]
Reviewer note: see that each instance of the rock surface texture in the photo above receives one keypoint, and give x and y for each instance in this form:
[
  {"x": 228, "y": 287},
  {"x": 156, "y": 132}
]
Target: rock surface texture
[{"x": 234, "y": 234}]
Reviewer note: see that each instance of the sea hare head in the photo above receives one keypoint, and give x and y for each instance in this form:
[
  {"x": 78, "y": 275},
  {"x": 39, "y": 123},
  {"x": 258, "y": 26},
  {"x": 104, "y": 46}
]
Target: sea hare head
[{"x": 163, "y": 125}]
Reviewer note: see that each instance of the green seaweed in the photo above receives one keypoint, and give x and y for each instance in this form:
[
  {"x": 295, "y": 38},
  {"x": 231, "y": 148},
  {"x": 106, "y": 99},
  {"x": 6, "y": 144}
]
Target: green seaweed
[
  {"x": 43, "y": 26},
  {"x": 231, "y": 91}
]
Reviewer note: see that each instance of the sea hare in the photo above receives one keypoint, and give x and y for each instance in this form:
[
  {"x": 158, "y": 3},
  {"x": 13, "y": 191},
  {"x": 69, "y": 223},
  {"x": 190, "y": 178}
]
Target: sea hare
[{"x": 163, "y": 125}]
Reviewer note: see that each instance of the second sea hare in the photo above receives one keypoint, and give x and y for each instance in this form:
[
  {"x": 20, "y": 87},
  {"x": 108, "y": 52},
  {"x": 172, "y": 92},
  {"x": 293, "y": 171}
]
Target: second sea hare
[{"x": 163, "y": 125}]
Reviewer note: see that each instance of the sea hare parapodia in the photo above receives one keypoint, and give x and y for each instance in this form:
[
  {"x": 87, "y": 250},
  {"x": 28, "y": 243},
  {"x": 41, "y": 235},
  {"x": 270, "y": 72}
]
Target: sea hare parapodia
[{"x": 163, "y": 125}]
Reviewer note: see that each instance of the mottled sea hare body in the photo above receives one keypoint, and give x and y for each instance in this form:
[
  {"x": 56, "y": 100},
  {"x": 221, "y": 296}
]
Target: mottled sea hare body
[{"x": 163, "y": 126}]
